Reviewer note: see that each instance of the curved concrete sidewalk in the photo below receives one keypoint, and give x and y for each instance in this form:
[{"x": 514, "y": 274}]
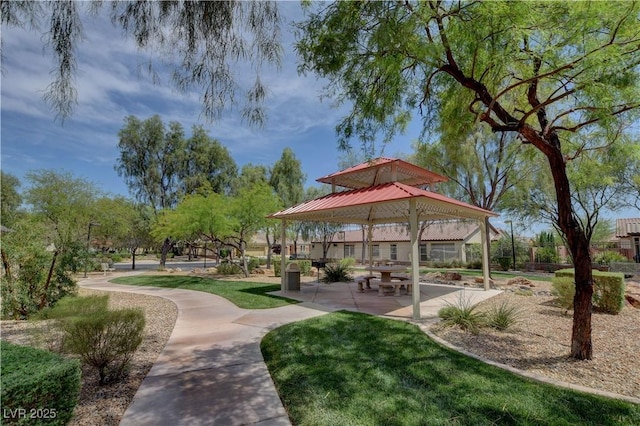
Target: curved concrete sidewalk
[{"x": 211, "y": 371}]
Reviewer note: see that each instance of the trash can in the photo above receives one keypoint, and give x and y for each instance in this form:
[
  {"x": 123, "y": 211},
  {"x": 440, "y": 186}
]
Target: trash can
[{"x": 293, "y": 277}]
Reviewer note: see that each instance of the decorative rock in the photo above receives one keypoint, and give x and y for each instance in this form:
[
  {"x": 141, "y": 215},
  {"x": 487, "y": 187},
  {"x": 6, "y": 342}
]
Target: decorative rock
[
  {"x": 452, "y": 276},
  {"x": 634, "y": 300},
  {"x": 520, "y": 281}
]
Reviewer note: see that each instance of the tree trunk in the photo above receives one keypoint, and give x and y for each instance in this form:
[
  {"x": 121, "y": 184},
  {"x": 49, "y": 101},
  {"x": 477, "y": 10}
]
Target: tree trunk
[
  {"x": 269, "y": 249},
  {"x": 166, "y": 246},
  {"x": 43, "y": 300},
  {"x": 133, "y": 258},
  {"x": 581, "y": 345},
  {"x": 6, "y": 265},
  {"x": 488, "y": 243}
]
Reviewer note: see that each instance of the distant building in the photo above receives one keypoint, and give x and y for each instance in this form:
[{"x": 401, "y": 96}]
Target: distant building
[
  {"x": 442, "y": 241},
  {"x": 628, "y": 236}
]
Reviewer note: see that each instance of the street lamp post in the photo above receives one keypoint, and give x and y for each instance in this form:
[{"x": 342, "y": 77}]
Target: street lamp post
[
  {"x": 88, "y": 244},
  {"x": 513, "y": 244}
]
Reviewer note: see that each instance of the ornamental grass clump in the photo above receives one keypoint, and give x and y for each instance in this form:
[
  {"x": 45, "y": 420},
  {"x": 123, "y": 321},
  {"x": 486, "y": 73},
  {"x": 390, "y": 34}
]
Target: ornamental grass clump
[
  {"x": 463, "y": 314},
  {"x": 503, "y": 316}
]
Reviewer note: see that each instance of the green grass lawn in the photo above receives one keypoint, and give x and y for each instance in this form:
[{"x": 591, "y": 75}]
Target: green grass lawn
[
  {"x": 244, "y": 294},
  {"x": 349, "y": 368}
]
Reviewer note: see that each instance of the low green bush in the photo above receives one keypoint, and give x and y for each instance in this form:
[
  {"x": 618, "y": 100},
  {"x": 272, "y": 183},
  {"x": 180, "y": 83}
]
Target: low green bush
[
  {"x": 608, "y": 290},
  {"x": 276, "y": 263},
  {"x": 106, "y": 340},
  {"x": 564, "y": 289},
  {"x": 72, "y": 306},
  {"x": 305, "y": 267},
  {"x": 463, "y": 314},
  {"x": 228, "y": 268},
  {"x": 38, "y": 387},
  {"x": 253, "y": 263},
  {"x": 502, "y": 316}
]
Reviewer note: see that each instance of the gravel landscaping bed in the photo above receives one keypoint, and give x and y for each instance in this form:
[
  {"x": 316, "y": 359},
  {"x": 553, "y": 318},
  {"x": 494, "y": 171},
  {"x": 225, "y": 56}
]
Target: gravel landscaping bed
[
  {"x": 540, "y": 343},
  {"x": 105, "y": 405}
]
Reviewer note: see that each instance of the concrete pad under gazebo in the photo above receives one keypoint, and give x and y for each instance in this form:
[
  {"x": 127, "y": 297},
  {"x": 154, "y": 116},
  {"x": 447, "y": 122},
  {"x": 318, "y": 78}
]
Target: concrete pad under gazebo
[{"x": 387, "y": 190}]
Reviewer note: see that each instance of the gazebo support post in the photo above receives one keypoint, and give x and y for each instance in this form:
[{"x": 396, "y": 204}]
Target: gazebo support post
[
  {"x": 370, "y": 244},
  {"x": 485, "y": 251},
  {"x": 415, "y": 259},
  {"x": 283, "y": 260}
]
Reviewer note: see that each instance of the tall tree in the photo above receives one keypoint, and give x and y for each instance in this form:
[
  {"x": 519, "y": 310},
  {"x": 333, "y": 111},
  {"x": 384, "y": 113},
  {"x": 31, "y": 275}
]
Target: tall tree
[
  {"x": 221, "y": 219},
  {"x": 542, "y": 70},
  {"x": 482, "y": 166},
  {"x": 287, "y": 180},
  {"x": 123, "y": 224},
  {"x": 10, "y": 198},
  {"x": 205, "y": 163},
  {"x": 149, "y": 160},
  {"x": 199, "y": 44},
  {"x": 65, "y": 204}
]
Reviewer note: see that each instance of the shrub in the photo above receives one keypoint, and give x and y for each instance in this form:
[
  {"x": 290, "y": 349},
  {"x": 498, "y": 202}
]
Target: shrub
[
  {"x": 474, "y": 264},
  {"x": 608, "y": 290},
  {"x": 564, "y": 289},
  {"x": 505, "y": 263},
  {"x": 106, "y": 340},
  {"x": 337, "y": 272},
  {"x": 502, "y": 316},
  {"x": 462, "y": 314},
  {"x": 305, "y": 267},
  {"x": 275, "y": 261},
  {"x": 607, "y": 257},
  {"x": 39, "y": 383},
  {"x": 72, "y": 306},
  {"x": 50, "y": 334},
  {"x": 228, "y": 268},
  {"x": 253, "y": 263},
  {"x": 23, "y": 286}
]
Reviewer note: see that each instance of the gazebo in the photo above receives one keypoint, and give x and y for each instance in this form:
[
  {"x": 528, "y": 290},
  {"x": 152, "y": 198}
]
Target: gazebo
[{"x": 387, "y": 190}]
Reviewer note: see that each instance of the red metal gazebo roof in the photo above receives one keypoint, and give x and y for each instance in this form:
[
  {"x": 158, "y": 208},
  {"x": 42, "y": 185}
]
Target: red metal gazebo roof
[
  {"x": 382, "y": 170},
  {"x": 386, "y": 203}
]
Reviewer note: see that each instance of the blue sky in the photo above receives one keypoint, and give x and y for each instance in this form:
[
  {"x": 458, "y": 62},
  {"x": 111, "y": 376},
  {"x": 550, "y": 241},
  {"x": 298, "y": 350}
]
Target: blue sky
[{"x": 111, "y": 87}]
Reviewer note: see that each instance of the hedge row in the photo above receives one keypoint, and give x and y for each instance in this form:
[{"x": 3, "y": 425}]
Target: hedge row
[
  {"x": 608, "y": 289},
  {"x": 38, "y": 387}
]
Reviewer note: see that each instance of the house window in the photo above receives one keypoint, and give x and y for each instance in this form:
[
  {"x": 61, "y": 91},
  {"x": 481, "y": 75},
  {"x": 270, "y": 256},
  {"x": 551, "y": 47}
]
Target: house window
[
  {"x": 443, "y": 252},
  {"x": 349, "y": 250},
  {"x": 423, "y": 253},
  {"x": 394, "y": 252},
  {"x": 375, "y": 250}
]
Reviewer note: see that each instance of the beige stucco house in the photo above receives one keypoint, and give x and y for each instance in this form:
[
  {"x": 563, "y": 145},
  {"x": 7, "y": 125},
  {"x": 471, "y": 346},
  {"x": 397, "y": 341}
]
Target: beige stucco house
[{"x": 442, "y": 241}]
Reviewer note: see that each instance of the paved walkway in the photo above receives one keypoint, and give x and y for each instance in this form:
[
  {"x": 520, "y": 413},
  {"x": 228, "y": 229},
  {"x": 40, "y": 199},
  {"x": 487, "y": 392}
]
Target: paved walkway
[{"x": 211, "y": 371}]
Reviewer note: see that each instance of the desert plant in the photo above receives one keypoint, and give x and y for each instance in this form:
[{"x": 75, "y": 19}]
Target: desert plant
[
  {"x": 606, "y": 257},
  {"x": 106, "y": 340},
  {"x": 502, "y": 316},
  {"x": 463, "y": 314},
  {"x": 337, "y": 272}
]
